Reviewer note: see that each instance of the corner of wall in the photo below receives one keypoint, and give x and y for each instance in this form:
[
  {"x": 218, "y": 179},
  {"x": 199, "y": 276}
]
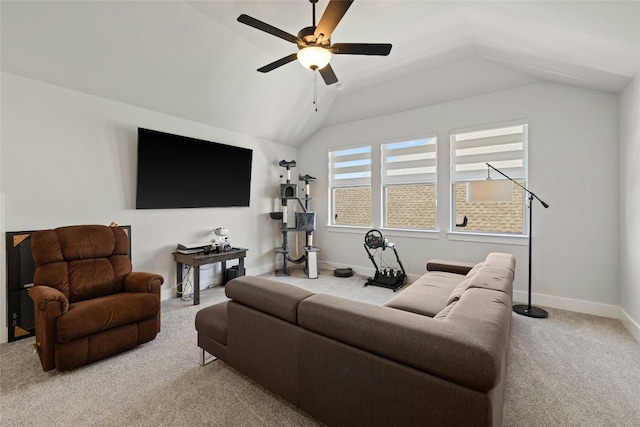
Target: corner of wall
[
  {"x": 631, "y": 325},
  {"x": 629, "y": 223},
  {"x": 4, "y": 333}
]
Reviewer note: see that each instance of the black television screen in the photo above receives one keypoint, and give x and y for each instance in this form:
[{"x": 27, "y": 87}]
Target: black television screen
[{"x": 180, "y": 172}]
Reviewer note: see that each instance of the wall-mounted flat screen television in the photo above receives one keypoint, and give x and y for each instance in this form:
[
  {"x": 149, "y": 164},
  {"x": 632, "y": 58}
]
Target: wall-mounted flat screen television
[{"x": 180, "y": 172}]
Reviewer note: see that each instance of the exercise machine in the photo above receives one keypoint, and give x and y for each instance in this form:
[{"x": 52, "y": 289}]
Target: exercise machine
[{"x": 385, "y": 276}]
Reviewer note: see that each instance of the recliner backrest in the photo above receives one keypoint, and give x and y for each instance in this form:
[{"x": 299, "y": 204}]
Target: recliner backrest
[{"x": 81, "y": 261}]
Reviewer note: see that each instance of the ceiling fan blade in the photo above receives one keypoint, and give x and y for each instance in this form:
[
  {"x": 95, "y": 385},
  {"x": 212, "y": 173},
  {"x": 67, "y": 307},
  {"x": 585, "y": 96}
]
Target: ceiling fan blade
[
  {"x": 382, "y": 49},
  {"x": 328, "y": 75},
  {"x": 263, "y": 26},
  {"x": 331, "y": 17},
  {"x": 279, "y": 63}
]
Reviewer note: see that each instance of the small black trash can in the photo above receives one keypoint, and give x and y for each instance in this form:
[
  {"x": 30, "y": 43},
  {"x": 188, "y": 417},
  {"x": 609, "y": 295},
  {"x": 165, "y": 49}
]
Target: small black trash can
[{"x": 232, "y": 273}]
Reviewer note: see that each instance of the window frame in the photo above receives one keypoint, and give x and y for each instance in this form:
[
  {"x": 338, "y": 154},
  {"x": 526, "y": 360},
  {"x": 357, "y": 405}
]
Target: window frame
[
  {"x": 521, "y": 176},
  {"x": 334, "y": 183},
  {"x": 426, "y": 176},
  {"x": 443, "y": 190}
]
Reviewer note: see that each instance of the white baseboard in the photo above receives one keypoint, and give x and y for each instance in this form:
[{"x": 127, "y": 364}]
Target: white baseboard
[
  {"x": 631, "y": 325},
  {"x": 261, "y": 269},
  {"x": 570, "y": 304},
  {"x": 581, "y": 306}
]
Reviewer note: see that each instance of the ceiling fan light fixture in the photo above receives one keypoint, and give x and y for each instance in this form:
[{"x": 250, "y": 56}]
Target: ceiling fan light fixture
[{"x": 314, "y": 57}]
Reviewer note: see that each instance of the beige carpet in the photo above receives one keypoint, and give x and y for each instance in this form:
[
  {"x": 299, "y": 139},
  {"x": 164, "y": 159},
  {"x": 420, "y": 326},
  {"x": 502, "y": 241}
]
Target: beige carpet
[{"x": 567, "y": 370}]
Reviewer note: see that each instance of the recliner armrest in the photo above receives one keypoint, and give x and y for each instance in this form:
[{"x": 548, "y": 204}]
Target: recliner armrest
[
  {"x": 137, "y": 281},
  {"x": 49, "y": 304},
  {"x": 43, "y": 295}
]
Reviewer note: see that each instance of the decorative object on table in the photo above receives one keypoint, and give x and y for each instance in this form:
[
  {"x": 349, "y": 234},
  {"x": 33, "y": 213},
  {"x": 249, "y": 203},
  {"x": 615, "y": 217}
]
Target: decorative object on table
[{"x": 221, "y": 243}]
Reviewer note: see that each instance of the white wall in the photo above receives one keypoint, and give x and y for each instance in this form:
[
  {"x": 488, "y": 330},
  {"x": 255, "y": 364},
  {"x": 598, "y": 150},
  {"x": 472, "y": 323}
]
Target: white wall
[
  {"x": 630, "y": 206},
  {"x": 70, "y": 158},
  {"x": 573, "y": 166}
]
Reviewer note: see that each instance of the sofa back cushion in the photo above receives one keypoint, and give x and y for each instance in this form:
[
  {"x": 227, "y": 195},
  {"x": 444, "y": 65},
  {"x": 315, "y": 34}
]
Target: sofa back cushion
[
  {"x": 81, "y": 261},
  {"x": 440, "y": 348},
  {"x": 501, "y": 259},
  {"x": 474, "y": 270},
  {"x": 495, "y": 273},
  {"x": 269, "y": 296},
  {"x": 485, "y": 315}
]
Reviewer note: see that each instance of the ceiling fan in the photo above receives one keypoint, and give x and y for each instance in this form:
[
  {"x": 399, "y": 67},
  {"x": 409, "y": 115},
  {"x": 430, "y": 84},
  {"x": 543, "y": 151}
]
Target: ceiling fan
[{"x": 314, "y": 43}]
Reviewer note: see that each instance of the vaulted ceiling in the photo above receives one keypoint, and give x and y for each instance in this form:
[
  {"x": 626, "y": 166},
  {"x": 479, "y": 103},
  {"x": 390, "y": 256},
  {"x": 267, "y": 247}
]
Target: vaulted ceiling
[{"x": 194, "y": 60}]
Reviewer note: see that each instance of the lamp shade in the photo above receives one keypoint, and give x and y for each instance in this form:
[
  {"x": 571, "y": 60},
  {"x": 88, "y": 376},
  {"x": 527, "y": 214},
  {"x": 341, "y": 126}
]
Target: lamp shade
[
  {"x": 314, "y": 57},
  {"x": 490, "y": 190}
]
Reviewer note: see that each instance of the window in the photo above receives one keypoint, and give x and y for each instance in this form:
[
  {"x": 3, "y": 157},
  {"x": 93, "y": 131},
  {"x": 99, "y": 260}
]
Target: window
[
  {"x": 350, "y": 186},
  {"x": 505, "y": 148},
  {"x": 409, "y": 184}
]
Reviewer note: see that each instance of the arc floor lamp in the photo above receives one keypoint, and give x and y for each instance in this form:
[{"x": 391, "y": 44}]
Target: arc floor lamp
[{"x": 523, "y": 309}]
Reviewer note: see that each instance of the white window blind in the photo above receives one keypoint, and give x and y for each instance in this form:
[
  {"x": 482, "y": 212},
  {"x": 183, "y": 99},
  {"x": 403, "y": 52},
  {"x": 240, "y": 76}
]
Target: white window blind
[
  {"x": 350, "y": 167},
  {"x": 409, "y": 162},
  {"x": 504, "y": 148}
]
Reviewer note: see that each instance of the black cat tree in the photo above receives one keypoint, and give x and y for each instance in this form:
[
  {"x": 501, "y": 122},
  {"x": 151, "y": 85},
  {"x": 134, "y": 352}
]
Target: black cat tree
[{"x": 305, "y": 221}]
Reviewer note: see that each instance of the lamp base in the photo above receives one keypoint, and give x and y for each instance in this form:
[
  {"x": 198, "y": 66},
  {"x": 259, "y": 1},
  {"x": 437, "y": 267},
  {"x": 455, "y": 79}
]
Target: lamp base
[{"x": 530, "y": 311}]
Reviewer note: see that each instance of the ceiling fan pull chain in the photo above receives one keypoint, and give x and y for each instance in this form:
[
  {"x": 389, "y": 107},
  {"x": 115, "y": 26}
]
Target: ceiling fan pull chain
[{"x": 315, "y": 89}]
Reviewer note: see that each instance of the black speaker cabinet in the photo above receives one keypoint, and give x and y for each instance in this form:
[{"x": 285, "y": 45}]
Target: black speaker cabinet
[
  {"x": 20, "y": 269},
  {"x": 232, "y": 273}
]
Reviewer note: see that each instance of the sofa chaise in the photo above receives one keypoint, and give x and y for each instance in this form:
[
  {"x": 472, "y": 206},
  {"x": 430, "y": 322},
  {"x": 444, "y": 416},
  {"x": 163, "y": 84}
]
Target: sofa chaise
[{"x": 435, "y": 354}]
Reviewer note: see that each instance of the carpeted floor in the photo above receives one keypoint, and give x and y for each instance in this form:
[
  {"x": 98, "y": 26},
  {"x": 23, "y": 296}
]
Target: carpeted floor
[{"x": 568, "y": 370}]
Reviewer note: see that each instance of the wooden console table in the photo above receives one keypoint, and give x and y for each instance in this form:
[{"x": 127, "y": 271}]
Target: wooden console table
[{"x": 196, "y": 260}]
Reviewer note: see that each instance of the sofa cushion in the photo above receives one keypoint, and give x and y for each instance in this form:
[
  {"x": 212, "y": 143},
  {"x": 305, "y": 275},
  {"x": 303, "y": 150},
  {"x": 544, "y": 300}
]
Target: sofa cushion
[
  {"x": 269, "y": 296},
  {"x": 486, "y": 276},
  {"x": 88, "y": 317},
  {"x": 495, "y": 278},
  {"x": 485, "y": 315},
  {"x": 459, "y": 290},
  {"x": 445, "y": 311},
  {"x": 428, "y": 295},
  {"x": 499, "y": 259},
  {"x": 212, "y": 322},
  {"x": 439, "y": 348},
  {"x": 475, "y": 269}
]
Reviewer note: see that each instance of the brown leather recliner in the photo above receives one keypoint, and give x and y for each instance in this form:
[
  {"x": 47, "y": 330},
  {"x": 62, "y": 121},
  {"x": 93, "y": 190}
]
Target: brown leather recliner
[{"x": 88, "y": 303}]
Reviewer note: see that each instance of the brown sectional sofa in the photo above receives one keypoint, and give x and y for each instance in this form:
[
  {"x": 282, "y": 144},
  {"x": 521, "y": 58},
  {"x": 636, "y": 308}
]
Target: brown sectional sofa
[{"x": 435, "y": 354}]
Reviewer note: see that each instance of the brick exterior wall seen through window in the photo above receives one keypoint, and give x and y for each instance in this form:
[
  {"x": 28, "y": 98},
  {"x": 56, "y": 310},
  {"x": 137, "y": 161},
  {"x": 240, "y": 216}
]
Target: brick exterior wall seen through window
[
  {"x": 496, "y": 217},
  {"x": 411, "y": 206},
  {"x": 352, "y": 206},
  {"x": 414, "y": 207}
]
